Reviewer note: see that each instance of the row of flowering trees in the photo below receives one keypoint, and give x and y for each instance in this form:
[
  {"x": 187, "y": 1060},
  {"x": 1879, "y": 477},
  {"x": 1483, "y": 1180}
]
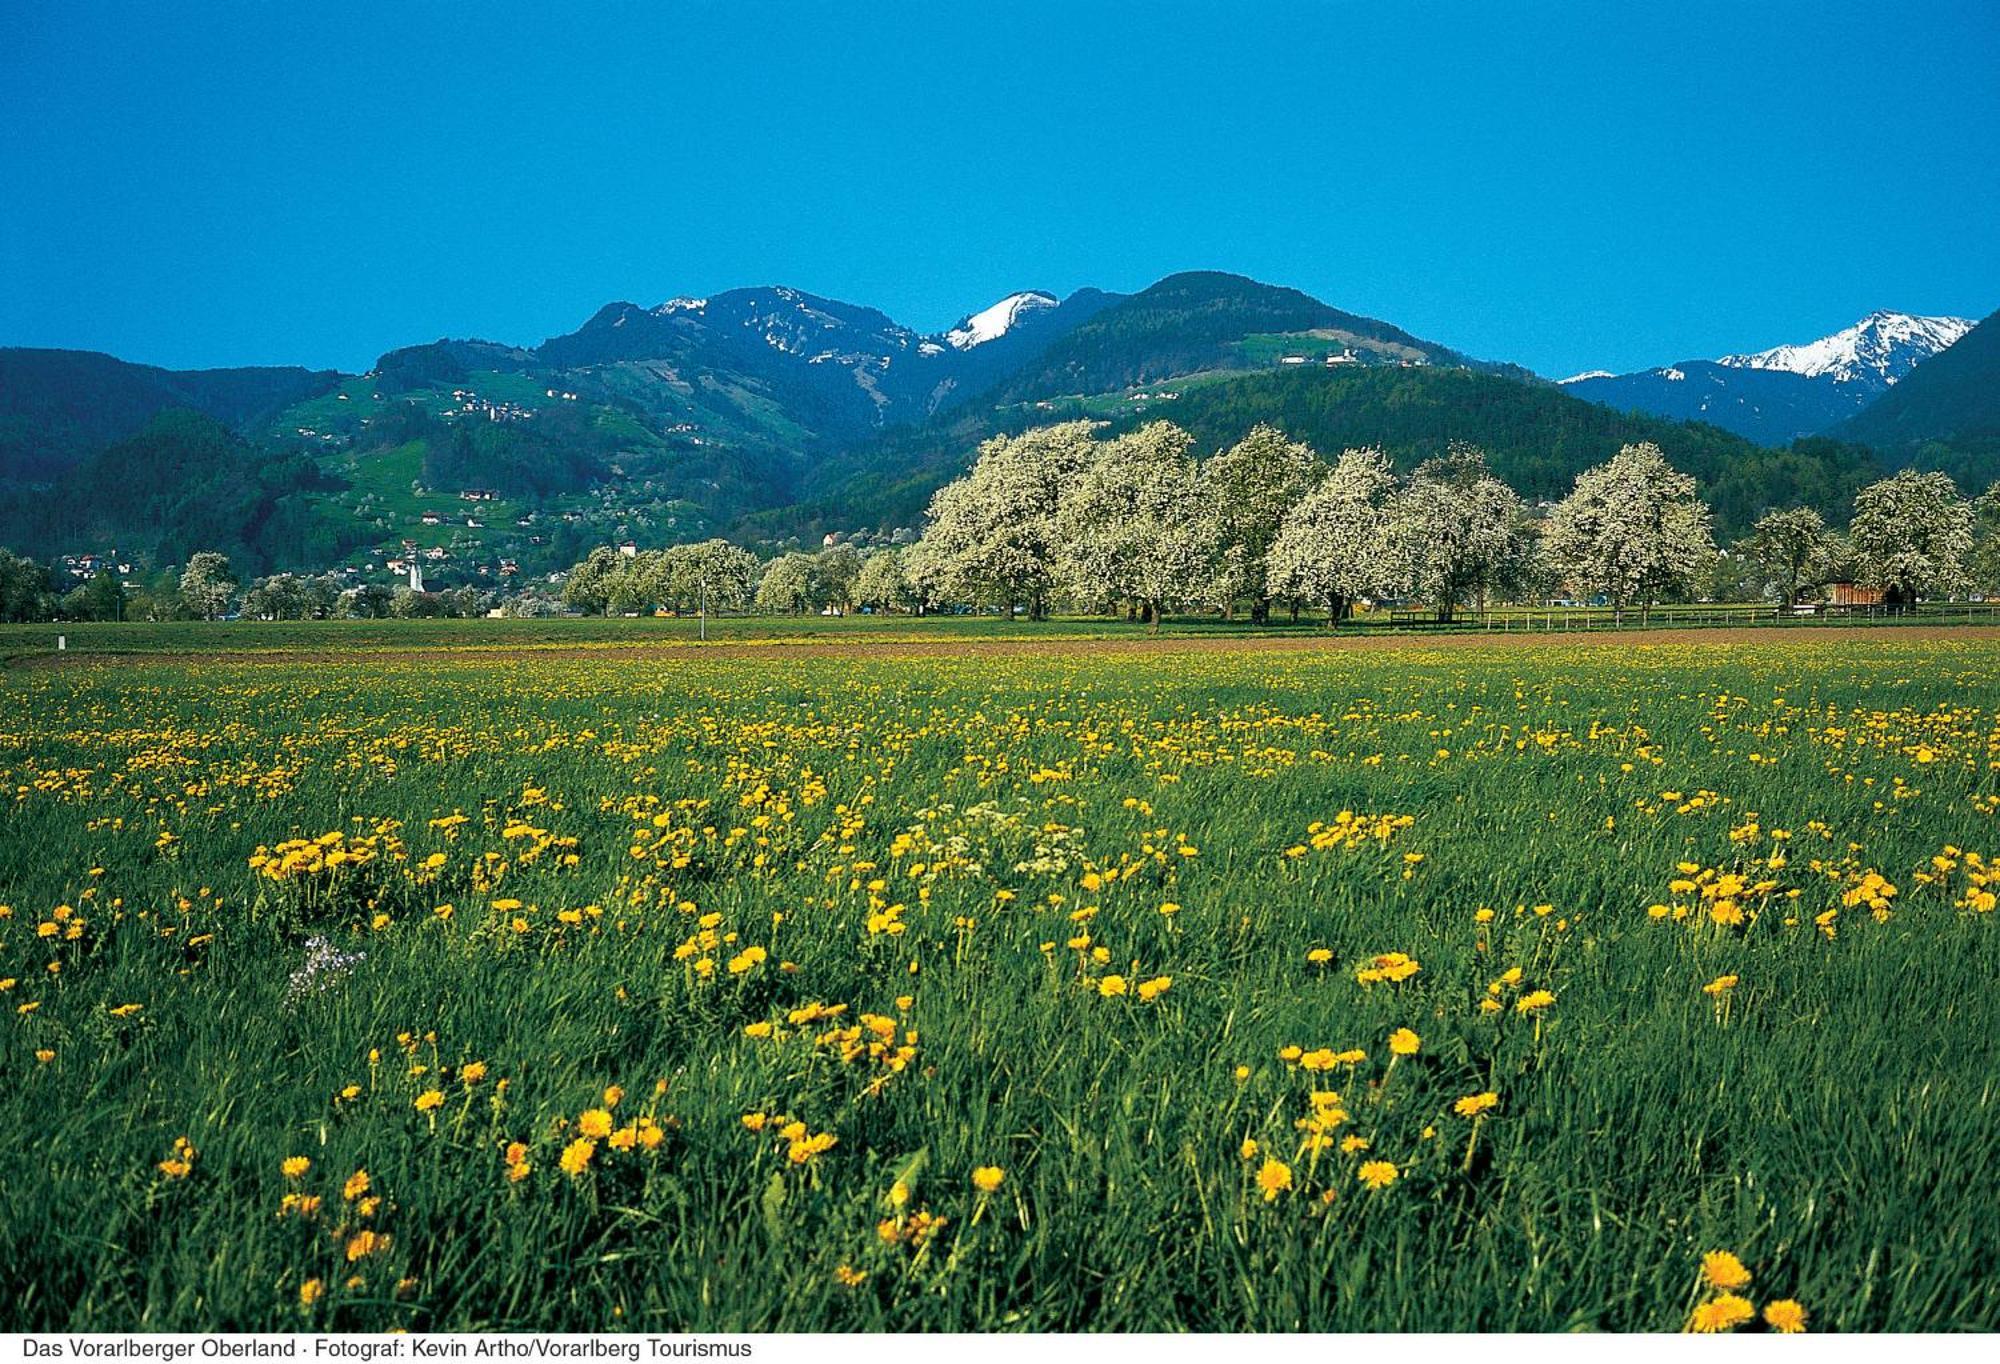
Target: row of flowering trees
[{"x": 1137, "y": 522}]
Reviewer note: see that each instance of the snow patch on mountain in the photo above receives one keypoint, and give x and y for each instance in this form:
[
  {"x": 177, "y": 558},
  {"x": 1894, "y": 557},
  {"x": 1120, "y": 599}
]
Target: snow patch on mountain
[
  {"x": 1879, "y": 349},
  {"x": 992, "y": 323},
  {"x": 1588, "y": 374}
]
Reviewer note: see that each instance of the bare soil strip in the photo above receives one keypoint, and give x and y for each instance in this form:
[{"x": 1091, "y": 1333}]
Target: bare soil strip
[{"x": 917, "y": 647}]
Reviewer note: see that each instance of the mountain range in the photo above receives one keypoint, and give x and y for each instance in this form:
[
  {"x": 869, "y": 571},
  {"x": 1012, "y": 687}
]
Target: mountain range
[
  {"x": 769, "y": 413},
  {"x": 1776, "y": 395}
]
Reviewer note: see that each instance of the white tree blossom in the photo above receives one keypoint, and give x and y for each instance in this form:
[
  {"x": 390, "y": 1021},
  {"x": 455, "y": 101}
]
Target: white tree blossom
[
  {"x": 588, "y": 586},
  {"x": 837, "y": 568},
  {"x": 789, "y": 585},
  {"x": 1982, "y": 565},
  {"x": 722, "y": 575},
  {"x": 1456, "y": 533},
  {"x": 1632, "y": 530},
  {"x": 881, "y": 585},
  {"x": 1794, "y": 547},
  {"x": 1912, "y": 535},
  {"x": 636, "y": 584},
  {"x": 991, "y": 535},
  {"x": 207, "y": 584},
  {"x": 1137, "y": 528},
  {"x": 1251, "y": 488},
  {"x": 1331, "y": 547}
]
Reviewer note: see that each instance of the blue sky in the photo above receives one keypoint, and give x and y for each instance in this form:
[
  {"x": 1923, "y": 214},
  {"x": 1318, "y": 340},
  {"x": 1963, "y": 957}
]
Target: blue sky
[{"x": 1569, "y": 186}]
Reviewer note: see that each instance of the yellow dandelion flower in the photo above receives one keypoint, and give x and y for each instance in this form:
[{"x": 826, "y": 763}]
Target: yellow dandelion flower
[
  {"x": 803, "y": 1149},
  {"x": 1721, "y": 1269},
  {"x": 1379, "y": 1174},
  {"x": 576, "y": 1156},
  {"x": 1724, "y": 1313},
  {"x": 1785, "y": 1316},
  {"x": 1273, "y": 1177}
]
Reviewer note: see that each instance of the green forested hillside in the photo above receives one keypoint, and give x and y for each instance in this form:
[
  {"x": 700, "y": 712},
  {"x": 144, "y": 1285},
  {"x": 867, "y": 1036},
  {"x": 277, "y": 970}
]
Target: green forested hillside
[
  {"x": 1945, "y": 414},
  {"x": 770, "y": 413},
  {"x": 183, "y": 482},
  {"x": 1538, "y": 439},
  {"x": 1198, "y": 321},
  {"x": 56, "y": 406}
]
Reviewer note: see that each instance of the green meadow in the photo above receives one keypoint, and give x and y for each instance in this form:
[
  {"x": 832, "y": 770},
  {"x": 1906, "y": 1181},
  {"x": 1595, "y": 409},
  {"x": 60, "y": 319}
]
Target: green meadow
[{"x": 423, "y": 975}]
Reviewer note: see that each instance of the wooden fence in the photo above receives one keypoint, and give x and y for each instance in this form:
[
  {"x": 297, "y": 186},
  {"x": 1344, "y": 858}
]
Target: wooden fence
[{"x": 1561, "y": 619}]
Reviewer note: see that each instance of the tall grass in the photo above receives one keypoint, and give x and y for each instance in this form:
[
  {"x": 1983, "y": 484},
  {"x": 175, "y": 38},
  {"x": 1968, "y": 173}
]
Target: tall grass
[{"x": 1830, "y": 1117}]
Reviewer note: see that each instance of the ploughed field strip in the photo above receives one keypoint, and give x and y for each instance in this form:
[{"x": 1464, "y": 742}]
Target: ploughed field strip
[
  {"x": 462, "y": 644},
  {"x": 1261, "y": 984}
]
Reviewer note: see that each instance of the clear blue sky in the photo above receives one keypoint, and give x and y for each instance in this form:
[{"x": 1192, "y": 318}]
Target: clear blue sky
[{"x": 1569, "y": 186}]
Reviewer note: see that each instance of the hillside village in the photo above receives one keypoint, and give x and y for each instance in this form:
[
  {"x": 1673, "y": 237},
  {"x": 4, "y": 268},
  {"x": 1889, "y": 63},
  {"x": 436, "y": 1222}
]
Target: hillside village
[{"x": 431, "y": 473}]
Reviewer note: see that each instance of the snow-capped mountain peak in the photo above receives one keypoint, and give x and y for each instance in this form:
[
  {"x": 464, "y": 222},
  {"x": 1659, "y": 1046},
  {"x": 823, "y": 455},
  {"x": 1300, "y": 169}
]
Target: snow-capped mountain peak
[
  {"x": 995, "y": 322},
  {"x": 1878, "y": 350},
  {"x": 1588, "y": 374}
]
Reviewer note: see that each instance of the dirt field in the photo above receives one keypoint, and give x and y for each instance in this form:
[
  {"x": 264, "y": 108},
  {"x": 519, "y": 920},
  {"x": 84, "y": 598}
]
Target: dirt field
[{"x": 909, "y": 647}]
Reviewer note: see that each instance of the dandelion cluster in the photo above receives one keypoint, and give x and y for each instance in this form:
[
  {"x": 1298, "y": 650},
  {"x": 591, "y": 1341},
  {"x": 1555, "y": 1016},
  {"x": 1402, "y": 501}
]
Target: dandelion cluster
[{"x": 1205, "y": 988}]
